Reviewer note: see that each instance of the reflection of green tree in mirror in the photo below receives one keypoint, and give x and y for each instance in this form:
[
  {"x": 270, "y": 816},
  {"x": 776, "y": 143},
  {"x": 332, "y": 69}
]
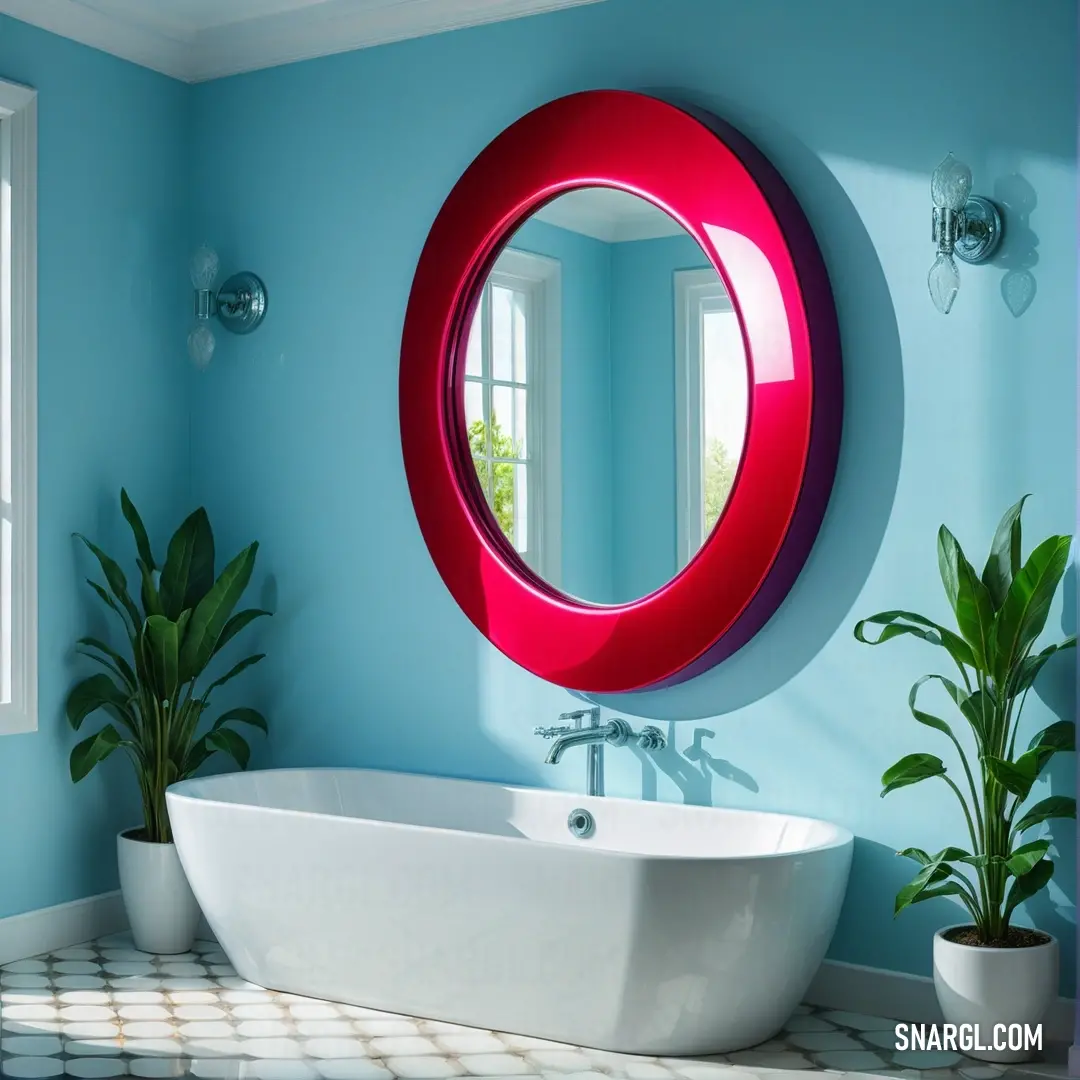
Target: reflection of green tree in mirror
[
  {"x": 499, "y": 489},
  {"x": 719, "y": 476}
]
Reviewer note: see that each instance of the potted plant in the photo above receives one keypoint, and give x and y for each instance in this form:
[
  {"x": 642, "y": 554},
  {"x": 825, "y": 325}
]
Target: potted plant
[
  {"x": 987, "y": 971},
  {"x": 183, "y": 619}
]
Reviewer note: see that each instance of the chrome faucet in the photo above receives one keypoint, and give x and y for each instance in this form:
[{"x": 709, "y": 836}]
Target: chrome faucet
[{"x": 617, "y": 732}]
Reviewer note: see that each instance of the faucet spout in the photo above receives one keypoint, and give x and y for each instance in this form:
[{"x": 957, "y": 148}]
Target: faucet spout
[{"x": 617, "y": 732}]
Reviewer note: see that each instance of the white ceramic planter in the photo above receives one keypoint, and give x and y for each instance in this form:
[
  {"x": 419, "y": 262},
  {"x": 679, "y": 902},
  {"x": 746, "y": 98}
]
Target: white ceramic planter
[
  {"x": 161, "y": 908},
  {"x": 990, "y": 987}
]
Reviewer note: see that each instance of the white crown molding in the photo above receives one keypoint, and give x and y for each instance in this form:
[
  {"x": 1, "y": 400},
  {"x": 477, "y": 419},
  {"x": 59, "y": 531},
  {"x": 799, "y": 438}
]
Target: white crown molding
[
  {"x": 331, "y": 26},
  {"x": 612, "y": 223},
  {"x": 141, "y": 42}
]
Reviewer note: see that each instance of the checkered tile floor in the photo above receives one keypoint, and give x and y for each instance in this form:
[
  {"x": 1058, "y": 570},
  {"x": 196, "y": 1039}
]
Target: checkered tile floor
[{"x": 106, "y": 1010}]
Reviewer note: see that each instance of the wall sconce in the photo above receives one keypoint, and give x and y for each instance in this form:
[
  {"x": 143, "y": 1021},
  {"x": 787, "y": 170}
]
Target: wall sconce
[
  {"x": 240, "y": 304},
  {"x": 965, "y": 225}
]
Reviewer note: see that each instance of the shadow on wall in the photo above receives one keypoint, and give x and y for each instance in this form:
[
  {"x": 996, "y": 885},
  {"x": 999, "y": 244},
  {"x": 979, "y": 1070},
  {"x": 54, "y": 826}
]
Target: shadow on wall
[
  {"x": 862, "y": 497},
  {"x": 694, "y": 770},
  {"x": 1018, "y": 252}
]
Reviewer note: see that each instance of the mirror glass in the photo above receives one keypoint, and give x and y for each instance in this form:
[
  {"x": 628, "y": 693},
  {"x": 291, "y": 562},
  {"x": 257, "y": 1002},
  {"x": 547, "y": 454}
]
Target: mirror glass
[{"x": 605, "y": 394}]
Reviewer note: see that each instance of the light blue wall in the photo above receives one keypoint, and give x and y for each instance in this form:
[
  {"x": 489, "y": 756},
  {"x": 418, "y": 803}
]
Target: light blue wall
[
  {"x": 585, "y": 393},
  {"x": 113, "y": 410},
  {"x": 643, "y": 409},
  {"x": 948, "y": 419},
  {"x": 295, "y": 438}
]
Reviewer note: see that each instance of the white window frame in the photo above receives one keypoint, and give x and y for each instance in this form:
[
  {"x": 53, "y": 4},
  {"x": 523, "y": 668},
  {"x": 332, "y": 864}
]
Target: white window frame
[
  {"x": 18, "y": 409},
  {"x": 540, "y": 277},
  {"x": 696, "y": 292}
]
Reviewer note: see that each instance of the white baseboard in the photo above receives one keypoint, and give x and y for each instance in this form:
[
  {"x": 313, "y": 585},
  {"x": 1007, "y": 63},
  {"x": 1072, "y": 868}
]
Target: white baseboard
[
  {"x": 58, "y": 927},
  {"x": 895, "y": 994}
]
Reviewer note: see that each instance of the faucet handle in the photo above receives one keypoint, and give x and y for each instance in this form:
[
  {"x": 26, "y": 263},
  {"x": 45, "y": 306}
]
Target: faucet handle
[
  {"x": 651, "y": 738},
  {"x": 550, "y": 732}
]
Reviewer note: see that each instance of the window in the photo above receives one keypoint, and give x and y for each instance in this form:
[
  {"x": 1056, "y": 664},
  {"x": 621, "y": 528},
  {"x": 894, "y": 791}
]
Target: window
[
  {"x": 18, "y": 409},
  {"x": 711, "y": 403},
  {"x": 512, "y": 404}
]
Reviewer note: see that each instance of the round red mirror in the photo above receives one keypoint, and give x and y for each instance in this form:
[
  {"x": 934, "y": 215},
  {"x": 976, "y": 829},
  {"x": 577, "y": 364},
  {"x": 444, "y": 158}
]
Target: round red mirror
[{"x": 620, "y": 391}]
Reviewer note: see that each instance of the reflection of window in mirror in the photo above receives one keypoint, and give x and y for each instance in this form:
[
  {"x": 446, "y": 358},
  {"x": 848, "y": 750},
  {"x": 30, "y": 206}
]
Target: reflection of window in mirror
[
  {"x": 711, "y": 403},
  {"x": 512, "y": 404}
]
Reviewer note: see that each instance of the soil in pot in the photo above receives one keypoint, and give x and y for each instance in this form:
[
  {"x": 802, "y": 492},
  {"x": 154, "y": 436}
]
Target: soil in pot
[{"x": 1018, "y": 937}]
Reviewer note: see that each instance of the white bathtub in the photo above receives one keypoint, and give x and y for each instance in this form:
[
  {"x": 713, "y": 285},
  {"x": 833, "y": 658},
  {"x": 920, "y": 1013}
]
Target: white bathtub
[{"x": 671, "y": 930}]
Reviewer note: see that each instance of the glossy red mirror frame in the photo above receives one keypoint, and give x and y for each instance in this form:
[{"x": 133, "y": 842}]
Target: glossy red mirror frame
[{"x": 728, "y": 197}]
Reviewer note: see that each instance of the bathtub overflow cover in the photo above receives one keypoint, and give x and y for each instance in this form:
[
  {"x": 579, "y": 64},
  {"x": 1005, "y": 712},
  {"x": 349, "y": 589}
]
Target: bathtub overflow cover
[{"x": 581, "y": 823}]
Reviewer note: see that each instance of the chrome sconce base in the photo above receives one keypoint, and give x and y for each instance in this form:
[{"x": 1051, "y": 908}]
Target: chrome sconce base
[
  {"x": 974, "y": 232},
  {"x": 240, "y": 304}
]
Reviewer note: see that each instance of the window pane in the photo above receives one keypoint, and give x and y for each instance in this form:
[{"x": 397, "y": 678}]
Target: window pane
[
  {"x": 502, "y": 497},
  {"x": 483, "y": 474},
  {"x": 474, "y": 418},
  {"x": 474, "y": 360},
  {"x": 520, "y": 432},
  {"x": 502, "y": 422},
  {"x": 723, "y": 407},
  {"x": 501, "y": 332},
  {"x": 521, "y": 503},
  {"x": 520, "y": 337}
]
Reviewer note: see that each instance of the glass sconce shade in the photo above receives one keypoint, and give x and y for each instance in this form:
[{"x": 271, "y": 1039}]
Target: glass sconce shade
[
  {"x": 201, "y": 344},
  {"x": 203, "y": 268},
  {"x": 944, "y": 282},
  {"x": 950, "y": 185}
]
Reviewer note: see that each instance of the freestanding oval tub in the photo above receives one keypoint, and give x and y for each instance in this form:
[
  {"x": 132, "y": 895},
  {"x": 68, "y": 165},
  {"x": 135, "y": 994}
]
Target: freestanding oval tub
[{"x": 669, "y": 930}]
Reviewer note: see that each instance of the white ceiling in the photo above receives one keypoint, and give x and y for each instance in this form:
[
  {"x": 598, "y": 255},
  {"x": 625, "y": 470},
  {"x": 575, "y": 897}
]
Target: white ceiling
[
  {"x": 195, "y": 40},
  {"x": 610, "y": 215}
]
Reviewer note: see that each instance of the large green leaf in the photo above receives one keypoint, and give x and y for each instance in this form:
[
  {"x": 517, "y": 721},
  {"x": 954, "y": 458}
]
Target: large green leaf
[
  {"x": 929, "y": 719},
  {"x": 96, "y": 692},
  {"x": 188, "y": 574},
  {"x": 1027, "y": 604},
  {"x": 243, "y": 716},
  {"x": 1028, "y": 885},
  {"x": 970, "y": 600},
  {"x": 1057, "y": 738},
  {"x": 231, "y": 743},
  {"x": 213, "y": 611},
  {"x": 108, "y": 600},
  {"x": 161, "y": 641},
  {"x": 1028, "y": 668},
  {"x": 235, "y": 670},
  {"x": 1021, "y": 861},
  {"x": 919, "y": 627},
  {"x": 1060, "y": 735},
  {"x": 1005, "y": 554},
  {"x": 236, "y": 624},
  {"x": 122, "y": 665},
  {"x": 978, "y": 710},
  {"x": 197, "y": 754},
  {"x": 911, "y": 770},
  {"x": 92, "y": 750},
  {"x": 142, "y": 542},
  {"x": 116, "y": 579},
  {"x": 929, "y": 875},
  {"x": 920, "y": 856},
  {"x": 1056, "y": 806},
  {"x": 151, "y": 602},
  {"x": 1015, "y": 776}
]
